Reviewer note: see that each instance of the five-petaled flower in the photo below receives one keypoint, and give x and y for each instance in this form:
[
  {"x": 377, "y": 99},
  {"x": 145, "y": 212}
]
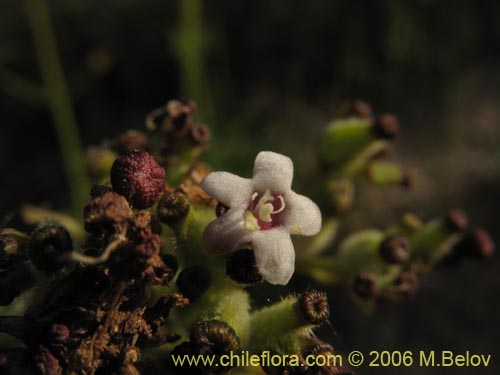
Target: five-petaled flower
[{"x": 263, "y": 212}]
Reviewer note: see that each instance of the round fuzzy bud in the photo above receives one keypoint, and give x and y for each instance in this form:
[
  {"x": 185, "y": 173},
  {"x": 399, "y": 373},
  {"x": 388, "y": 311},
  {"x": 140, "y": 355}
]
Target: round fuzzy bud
[
  {"x": 194, "y": 281},
  {"x": 47, "y": 247},
  {"x": 365, "y": 285},
  {"x": 386, "y": 126},
  {"x": 395, "y": 249},
  {"x": 173, "y": 207},
  {"x": 242, "y": 268},
  {"x": 455, "y": 220},
  {"x": 139, "y": 178},
  {"x": 199, "y": 134},
  {"x": 220, "y": 209},
  {"x": 313, "y": 307}
]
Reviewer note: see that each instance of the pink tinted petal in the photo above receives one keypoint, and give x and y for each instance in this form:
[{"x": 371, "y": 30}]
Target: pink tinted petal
[
  {"x": 272, "y": 171},
  {"x": 274, "y": 254},
  {"x": 224, "y": 234},
  {"x": 302, "y": 215},
  {"x": 228, "y": 188}
]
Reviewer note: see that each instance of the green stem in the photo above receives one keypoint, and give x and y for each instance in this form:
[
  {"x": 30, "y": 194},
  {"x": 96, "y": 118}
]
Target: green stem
[
  {"x": 189, "y": 45},
  {"x": 58, "y": 97}
]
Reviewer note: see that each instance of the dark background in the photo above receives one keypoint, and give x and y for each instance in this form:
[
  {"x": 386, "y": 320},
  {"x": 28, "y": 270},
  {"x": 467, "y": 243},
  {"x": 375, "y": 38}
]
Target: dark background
[{"x": 269, "y": 75}]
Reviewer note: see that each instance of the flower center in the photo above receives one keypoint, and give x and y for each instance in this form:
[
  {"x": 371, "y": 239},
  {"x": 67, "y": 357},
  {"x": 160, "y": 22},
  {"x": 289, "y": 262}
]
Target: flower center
[{"x": 263, "y": 210}]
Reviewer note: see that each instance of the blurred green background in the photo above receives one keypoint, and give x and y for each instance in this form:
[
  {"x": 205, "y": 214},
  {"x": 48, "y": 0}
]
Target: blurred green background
[{"x": 269, "y": 75}]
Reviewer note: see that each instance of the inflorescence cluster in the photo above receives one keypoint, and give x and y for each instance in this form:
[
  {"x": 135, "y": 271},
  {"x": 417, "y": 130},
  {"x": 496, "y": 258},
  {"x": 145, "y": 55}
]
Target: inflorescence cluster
[{"x": 169, "y": 250}]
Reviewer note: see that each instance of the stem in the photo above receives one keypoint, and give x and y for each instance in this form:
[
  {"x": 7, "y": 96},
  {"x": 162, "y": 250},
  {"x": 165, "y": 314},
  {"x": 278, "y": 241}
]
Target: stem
[
  {"x": 189, "y": 45},
  {"x": 58, "y": 97}
]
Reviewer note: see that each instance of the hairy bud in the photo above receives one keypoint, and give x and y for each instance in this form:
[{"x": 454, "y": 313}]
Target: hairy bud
[{"x": 139, "y": 178}]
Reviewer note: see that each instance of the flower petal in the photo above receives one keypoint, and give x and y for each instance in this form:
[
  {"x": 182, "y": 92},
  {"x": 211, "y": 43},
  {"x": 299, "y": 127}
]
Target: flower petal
[
  {"x": 302, "y": 215},
  {"x": 273, "y": 171},
  {"x": 274, "y": 254},
  {"x": 228, "y": 188},
  {"x": 224, "y": 234}
]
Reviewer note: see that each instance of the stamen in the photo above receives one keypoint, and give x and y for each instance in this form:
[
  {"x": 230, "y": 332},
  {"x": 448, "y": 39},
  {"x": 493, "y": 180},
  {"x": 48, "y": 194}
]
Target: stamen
[
  {"x": 282, "y": 201},
  {"x": 265, "y": 207}
]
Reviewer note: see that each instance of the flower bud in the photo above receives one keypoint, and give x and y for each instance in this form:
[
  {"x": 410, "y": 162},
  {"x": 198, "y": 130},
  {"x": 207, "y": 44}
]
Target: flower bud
[
  {"x": 313, "y": 307},
  {"x": 173, "y": 207},
  {"x": 395, "y": 249},
  {"x": 194, "y": 281},
  {"x": 242, "y": 268},
  {"x": 139, "y": 178},
  {"x": 48, "y": 246}
]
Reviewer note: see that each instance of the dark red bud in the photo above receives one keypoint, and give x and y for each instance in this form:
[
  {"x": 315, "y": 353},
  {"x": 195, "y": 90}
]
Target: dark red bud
[{"x": 139, "y": 178}]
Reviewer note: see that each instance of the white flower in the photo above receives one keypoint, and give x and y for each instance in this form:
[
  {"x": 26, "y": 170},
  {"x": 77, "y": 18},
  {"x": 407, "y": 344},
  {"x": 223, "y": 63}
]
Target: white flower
[{"x": 263, "y": 212}]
